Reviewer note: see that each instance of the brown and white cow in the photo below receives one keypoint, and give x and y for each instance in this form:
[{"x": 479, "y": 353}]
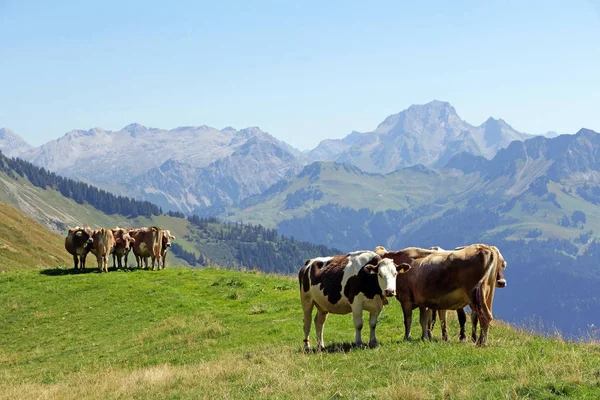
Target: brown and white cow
[
  {"x": 77, "y": 243},
  {"x": 166, "y": 243},
  {"x": 346, "y": 284},
  {"x": 447, "y": 281},
  {"x": 148, "y": 243},
  {"x": 103, "y": 245},
  {"x": 123, "y": 244},
  {"x": 461, "y": 314}
]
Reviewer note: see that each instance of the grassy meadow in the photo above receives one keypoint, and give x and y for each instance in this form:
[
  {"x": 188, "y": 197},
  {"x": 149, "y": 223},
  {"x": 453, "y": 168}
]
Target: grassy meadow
[{"x": 183, "y": 333}]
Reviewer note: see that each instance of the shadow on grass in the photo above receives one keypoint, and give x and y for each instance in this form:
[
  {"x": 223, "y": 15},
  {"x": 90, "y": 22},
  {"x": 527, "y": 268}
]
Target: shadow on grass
[
  {"x": 344, "y": 347},
  {"x": 60, "y": 271}
]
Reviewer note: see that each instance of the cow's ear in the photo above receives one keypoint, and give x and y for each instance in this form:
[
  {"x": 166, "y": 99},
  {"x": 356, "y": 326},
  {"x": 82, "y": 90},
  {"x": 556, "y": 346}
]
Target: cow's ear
[
  {"x": 172, "y": 237},
  {"x": 131, "y": 240},
  {"x": 402, "y": 268},
  {"x": 371, "y": 269}
]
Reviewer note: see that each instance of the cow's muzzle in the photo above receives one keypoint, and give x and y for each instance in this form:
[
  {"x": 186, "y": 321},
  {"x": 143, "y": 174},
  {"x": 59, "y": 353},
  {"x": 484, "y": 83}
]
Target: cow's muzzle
[
  {"x": 389, "y": 292},
  {"x": 90, "y": 240},
  {"x": 168, "y": 244},
  {"x": 501, "y": 283}
]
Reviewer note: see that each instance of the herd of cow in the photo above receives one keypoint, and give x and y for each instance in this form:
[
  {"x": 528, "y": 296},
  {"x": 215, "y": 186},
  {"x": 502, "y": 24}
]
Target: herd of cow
[
  {"x": 152, "y": 242},
  {"x": 433, "y": 280}
]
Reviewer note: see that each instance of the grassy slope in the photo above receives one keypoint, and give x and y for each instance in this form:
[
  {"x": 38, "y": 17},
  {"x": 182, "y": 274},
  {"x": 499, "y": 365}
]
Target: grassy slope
[
  {"x": 399, "y": 190},
  {"x": 55, "y": 211},
  {"x": 24, "y": 242},
  {"x": 184, "y": 333}
]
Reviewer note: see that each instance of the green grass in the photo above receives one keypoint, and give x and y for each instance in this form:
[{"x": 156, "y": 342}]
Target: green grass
[
  {"x": 26, "y": 243},
  {"x": 182, "y": 333}
]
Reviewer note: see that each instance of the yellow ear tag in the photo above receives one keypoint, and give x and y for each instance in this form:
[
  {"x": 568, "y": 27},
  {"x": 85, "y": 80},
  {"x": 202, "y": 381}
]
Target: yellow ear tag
[{"x": 402, "y": 271}]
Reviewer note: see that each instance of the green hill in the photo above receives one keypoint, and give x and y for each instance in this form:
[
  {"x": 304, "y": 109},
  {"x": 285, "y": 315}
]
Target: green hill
[
  {"x": 186, "y": 333},
  {"x": 24, "y": 243},
  {"x": 60, "y": 203}
]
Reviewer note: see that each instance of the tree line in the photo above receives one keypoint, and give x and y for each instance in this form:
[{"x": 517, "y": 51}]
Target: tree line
[{"x": 77, "y": 191}]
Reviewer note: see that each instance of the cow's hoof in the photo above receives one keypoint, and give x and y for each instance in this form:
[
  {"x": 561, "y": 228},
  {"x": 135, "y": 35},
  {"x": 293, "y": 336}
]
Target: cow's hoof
[
  {"x": 361, "y": 346},
  {"x": 463, "y": 338},
  {"x": 373, "y": 345}
]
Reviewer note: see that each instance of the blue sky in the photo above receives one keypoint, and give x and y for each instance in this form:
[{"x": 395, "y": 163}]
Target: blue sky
[{"x": 302, "y": 71}]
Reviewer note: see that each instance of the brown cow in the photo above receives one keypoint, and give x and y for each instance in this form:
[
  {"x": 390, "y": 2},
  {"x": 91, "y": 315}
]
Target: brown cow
[
  {"x": 123, "y": 244},
  {"x": 447, "y": 281},
  {"x": 461, "y": 314},
  {"x": 148, "y": 243},
  {"x": 103, "y": 245},
  {"x": 77, "y": 243},
  {"x": 166, "y": 243}
]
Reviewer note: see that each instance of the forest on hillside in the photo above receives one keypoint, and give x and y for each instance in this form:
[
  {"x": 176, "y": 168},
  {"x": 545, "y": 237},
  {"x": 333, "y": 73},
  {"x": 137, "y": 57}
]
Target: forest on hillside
[
  {"x": 244, "y": 245},
  {"x": 78, "y": 191}
]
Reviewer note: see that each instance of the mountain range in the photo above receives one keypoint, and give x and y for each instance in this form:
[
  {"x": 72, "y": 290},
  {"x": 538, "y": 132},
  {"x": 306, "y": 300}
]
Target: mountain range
[{"x": 206, "y": 170}]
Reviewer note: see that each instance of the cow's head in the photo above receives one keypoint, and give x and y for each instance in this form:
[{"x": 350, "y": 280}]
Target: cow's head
[
  {"x": 128, "y": 241},
  {"x": 84, "y": 235},
  {"x": 386, "y": 272},
  {"x": 500, "y": 280},
  {"x": 167, "y": 237}
]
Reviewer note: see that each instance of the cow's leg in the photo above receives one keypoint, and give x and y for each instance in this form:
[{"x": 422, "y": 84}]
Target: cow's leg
[
  {"x": 443, "y": 324},
  {"x": 358, "y": 324},
  {"x": 99, "y": 260},
  {"x": 424, "y": 318},
  {"x": 76, "y": 262},
  {"x": 145, "y": 262},
  {"x": 105, "y": 263},
  {"x": 320, "y": 319},
  {"x": 372, "y": 325},
  {"x": 120, "y": 260},
  {"x": 307, "y": 308},
  {"x": 114, "y": 261},
  {"x": 126, "y": 265},
  {"x": 407, "y": 311},
  {"x": 462, "y": 321},
  {"x": 433, "y": 319},
  {"x": 474, "y": 323},
  {"x": 153, "y": 261}
]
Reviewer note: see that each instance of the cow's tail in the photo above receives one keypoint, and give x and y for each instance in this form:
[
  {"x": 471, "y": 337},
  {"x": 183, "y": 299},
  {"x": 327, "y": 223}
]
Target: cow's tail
[{"x": 483, "y": 314}]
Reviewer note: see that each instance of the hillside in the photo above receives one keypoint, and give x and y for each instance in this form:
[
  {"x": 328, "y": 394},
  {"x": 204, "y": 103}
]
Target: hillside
[
  {"x": 24, "y": 243},
  {"x": 536, "y": 200},
  {"x": 212, "y": 333},
  {"x": 198, "y": 243}
]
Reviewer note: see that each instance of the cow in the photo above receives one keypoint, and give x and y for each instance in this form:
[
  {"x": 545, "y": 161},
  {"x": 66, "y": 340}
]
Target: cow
[
  {"x": 123, "y": 244},
  {"x": 148, "y": 243},
  {"x": 166, "y": 243},
  {"x": 346, "y": 284},
  {"x": 461, "y": 314},
  {"x": 77, "y": 243},
  {"x": 103, "y": 245},
  {"x": 447, "y": 281}
]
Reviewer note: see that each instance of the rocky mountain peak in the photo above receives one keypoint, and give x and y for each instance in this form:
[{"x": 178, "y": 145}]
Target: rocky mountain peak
[{"x": 12, "y": 144}]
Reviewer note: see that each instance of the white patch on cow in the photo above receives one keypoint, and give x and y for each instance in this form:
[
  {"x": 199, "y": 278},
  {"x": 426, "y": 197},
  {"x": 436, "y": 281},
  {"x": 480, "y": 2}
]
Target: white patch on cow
[
  {"x": 143, "y": 247},
  {"x": 386, "y": 275}
]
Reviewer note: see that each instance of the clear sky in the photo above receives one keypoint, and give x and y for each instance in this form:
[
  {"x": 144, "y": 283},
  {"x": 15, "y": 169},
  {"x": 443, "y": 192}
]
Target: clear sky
[{"x": 302, "y": 70}]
